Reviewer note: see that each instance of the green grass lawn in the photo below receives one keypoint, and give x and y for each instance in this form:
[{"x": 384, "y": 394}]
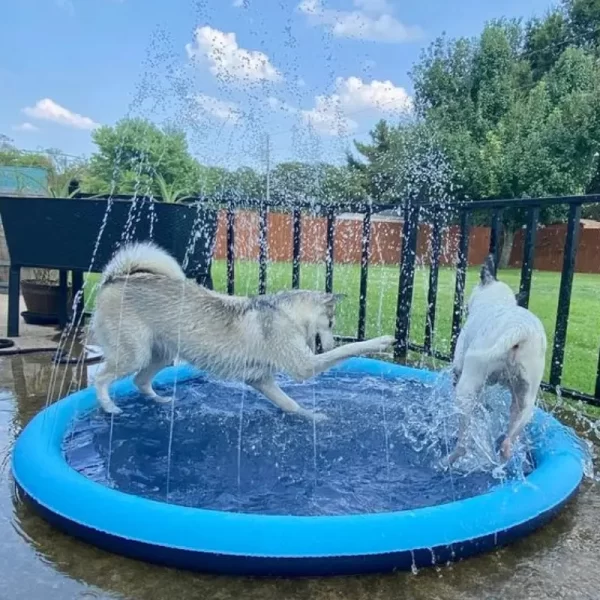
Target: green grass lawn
[{"x": 583, "y": 337}]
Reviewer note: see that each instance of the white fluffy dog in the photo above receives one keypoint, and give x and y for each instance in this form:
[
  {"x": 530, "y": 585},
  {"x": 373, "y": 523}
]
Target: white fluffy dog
[{"x": 503, "y": 343}]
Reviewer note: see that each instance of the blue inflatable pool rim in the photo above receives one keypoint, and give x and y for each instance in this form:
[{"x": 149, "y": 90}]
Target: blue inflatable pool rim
[{"x": 255, "y": 544}]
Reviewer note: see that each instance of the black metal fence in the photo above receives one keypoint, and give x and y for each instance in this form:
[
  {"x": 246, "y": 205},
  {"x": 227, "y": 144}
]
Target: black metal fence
[{"x": 437, "y": 216}]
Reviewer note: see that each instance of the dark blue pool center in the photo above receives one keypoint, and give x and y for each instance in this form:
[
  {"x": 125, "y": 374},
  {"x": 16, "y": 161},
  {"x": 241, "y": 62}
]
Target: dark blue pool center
[{"x": 248, "y": 490}]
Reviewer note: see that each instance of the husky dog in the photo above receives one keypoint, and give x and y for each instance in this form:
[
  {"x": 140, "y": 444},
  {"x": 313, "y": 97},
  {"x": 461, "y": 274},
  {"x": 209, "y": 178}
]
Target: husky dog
[
  {"x": 503, "y": 343},
  {"x": 148, "y": 313}
]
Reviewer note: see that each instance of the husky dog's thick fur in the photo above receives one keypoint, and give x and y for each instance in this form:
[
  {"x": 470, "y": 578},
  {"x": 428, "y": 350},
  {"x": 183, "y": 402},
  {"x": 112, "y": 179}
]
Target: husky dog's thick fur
[
  {"x": 148, "y": 314},
  {"x": 503, "y": 343}
]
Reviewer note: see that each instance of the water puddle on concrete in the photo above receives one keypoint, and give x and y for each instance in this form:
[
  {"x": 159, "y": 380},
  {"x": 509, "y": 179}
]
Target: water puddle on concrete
[{"x": 38, "y": 562}]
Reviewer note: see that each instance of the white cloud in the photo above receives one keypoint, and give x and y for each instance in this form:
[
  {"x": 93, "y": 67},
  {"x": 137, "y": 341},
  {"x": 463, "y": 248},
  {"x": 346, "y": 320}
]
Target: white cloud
[
  {"x": 371, "y": 20},
  {"x": 332, "y": 115},
  {"x": 381, "y": 96},
  {"x": 48, "y": 110},
  {"x": 221, "y": 109},
  {"x": 374, "y": 6},
  {"x": 328, "y": 118},
  {"x": 240, "y": 3},
  {"x": 280, "y": 105},
  {"x": 227, "y": 61},
  {"x": 29, "y": 127}
]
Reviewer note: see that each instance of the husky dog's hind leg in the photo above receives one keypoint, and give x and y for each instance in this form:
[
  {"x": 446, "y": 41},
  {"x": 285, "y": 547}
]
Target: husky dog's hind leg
[
  {"x": 144, "y": 377},
  {"x": 126, "y": 352}
]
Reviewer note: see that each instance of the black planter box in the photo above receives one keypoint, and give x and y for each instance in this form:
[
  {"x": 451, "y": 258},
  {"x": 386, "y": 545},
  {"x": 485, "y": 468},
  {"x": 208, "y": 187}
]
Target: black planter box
[{"x": 82, "y": 235}]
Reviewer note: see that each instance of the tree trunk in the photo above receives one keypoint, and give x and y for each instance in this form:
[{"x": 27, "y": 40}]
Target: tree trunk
[{"x": 508, "y": 237}]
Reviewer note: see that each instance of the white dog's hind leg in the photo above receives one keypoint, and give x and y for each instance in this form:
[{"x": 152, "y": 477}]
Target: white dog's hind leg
[
  {"x": 468, "y": 387},
  {"x": 522, "y": 406},
  {"x": 277, "y": 396},
  {"x": 144, "y": 377}
]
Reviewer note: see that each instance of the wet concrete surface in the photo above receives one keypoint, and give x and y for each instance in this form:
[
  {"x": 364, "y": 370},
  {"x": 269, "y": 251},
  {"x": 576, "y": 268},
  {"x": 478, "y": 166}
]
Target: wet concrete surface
[{"x": 562, "y": 561}]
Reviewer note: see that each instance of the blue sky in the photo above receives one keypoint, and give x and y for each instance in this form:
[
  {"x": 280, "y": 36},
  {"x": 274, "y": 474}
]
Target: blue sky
[{"x": 313, "y": 74}]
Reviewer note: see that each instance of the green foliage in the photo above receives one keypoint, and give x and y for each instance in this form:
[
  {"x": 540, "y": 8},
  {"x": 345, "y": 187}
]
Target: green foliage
[
  {"x": 584, "y": 22},
  {"x": 137, "y": 156},
  {"x": 545, "y": 41},
  {"x": 245, "y": 183},
  {"x": 515, "y": 111},
  {"x": 321, "y": 183},
  {"x": 402, "y": 163}
]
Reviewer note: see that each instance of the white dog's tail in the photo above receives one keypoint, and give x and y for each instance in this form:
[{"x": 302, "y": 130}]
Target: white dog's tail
[
  {"x": 512, "y": 342},
  {"x": 142, "y": 257}
]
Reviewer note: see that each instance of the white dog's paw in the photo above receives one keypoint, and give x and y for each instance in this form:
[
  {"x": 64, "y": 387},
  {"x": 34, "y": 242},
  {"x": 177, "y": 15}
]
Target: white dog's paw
[
  {"x": 381, "y": 344},
  {"x": 444, "y": 463},
  {"x": 506, "y": 449}
]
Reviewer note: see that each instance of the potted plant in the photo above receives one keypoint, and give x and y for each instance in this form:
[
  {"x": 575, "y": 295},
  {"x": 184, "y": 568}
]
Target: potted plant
[
  {"x": 42, "y": 296},
  {"x": 170, "y": 194}
]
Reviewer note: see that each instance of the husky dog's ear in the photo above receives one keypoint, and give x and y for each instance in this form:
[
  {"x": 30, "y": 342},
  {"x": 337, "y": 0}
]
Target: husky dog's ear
[
  {"x": 488, "y": 270},
  {"x": 332, "y": 299}
]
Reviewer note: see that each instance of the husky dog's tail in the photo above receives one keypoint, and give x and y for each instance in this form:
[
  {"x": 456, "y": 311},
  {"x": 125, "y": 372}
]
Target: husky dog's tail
[{"x": 141, "y": 257}]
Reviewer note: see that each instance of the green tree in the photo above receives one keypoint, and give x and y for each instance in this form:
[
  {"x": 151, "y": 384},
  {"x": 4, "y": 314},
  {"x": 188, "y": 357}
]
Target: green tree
[
  {"x": 339, "y": 184},
  {"x": 132, "y": 155},
  {"x": 402, "y": 163},
  {"x": 294, "y": 181},
  {"x": 583, "y": 18},
  {"x": 545, "y": 41},
  {"x": 515, "y": 111}
]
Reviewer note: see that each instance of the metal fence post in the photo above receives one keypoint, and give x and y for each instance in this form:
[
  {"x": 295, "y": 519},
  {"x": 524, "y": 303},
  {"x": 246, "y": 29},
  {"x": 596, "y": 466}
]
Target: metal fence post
[
  {"x": 230, "y": 249},
  {"x": 329, "y": 255},
  {"x": 436, "y": 247},
  {"x": 564, "y": 295},
  {"x": 461, "y": 276},
  {"x": 406, "y": 280},
  {"x": 263, "y": 216},
  {"x": 528, "y": 256},
  {"x": 296, "y": 241},
  {"x": 364, "y": 271}
]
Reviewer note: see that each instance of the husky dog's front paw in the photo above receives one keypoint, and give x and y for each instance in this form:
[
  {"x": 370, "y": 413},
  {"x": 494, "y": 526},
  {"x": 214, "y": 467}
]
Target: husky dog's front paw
[
  {"x": 318, "y": 417},
  {"x": 381, "y": 344}
]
